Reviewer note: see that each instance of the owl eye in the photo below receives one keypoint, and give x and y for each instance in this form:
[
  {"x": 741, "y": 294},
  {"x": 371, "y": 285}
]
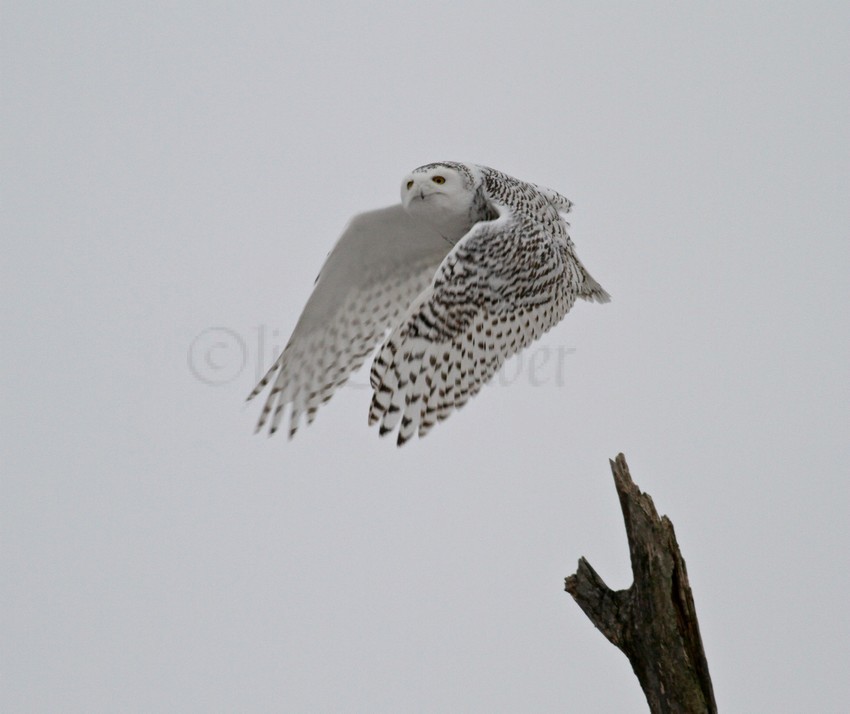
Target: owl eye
[
  {"x": 409, "y": 185},
  {"x": 438, "y": 179}
]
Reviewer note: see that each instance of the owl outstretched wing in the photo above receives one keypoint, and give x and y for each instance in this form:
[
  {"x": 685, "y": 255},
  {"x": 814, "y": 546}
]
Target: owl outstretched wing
[
  {"x": 382, "y": 261},
  {"x": 503, "y": 285}
]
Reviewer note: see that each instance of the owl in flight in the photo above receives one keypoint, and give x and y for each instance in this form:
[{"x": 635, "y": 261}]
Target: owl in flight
[{"x": 473, "y": 266}]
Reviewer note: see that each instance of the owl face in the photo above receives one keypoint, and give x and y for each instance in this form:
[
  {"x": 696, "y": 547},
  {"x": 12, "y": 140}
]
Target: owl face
[{"x": 439, "y": 194}]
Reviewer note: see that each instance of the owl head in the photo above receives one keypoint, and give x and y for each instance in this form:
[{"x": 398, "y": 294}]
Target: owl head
[{"x": 442, "y": 195}]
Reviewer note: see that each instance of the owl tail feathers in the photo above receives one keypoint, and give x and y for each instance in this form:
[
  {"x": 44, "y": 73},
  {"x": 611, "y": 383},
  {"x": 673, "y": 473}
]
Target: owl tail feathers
[{"x": 592, "y": 291}]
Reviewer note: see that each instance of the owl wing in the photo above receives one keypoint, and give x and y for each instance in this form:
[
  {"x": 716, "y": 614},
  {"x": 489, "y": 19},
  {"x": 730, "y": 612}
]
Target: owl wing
[
  {"x": 382, "y": 261},
  {"x": 504, "y": 284}
]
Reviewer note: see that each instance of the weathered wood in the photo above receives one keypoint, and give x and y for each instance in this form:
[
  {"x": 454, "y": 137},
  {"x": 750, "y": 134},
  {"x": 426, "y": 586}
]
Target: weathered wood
[{"x": 654, "y": 622}]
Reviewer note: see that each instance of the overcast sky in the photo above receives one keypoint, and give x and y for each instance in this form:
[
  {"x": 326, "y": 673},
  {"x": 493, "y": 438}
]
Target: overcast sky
[{"x": 173, "y": 176}]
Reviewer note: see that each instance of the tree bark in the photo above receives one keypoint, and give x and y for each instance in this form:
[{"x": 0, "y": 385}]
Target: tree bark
[{"x": 654, "y": 622}]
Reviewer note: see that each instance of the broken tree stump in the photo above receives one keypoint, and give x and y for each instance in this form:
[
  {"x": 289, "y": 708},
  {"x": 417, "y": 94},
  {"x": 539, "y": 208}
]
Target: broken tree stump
[{"x": 653, "y": 622}]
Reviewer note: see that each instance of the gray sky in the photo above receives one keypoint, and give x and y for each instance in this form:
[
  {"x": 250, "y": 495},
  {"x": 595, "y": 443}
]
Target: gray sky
[{"x": 173, "y": 176}]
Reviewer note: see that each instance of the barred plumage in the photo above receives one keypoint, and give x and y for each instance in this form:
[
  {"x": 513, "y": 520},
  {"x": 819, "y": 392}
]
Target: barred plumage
[{"x": 476, "y": 266}]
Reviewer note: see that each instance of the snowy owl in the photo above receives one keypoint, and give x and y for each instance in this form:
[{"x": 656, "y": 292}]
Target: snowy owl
[{"x": 472, "y": 267}]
